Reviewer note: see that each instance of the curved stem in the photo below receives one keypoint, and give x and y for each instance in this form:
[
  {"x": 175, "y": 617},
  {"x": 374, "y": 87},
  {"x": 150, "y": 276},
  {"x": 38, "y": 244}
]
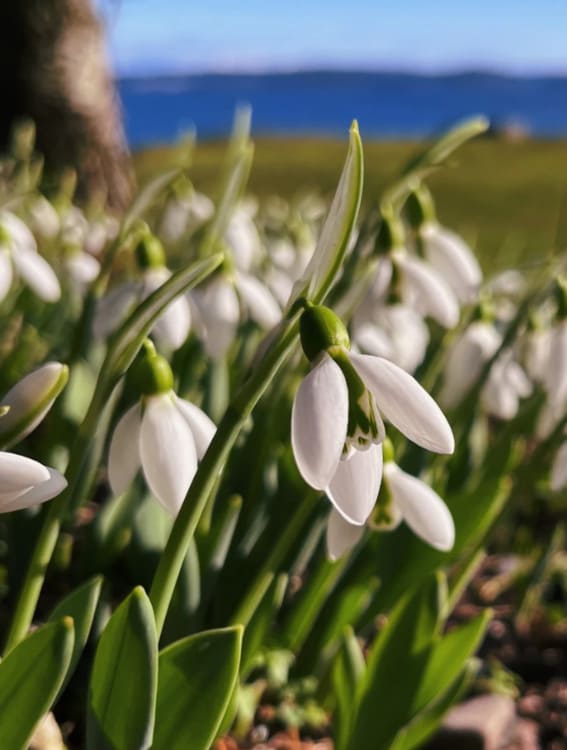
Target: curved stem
[{"x": 211, "y": 467}]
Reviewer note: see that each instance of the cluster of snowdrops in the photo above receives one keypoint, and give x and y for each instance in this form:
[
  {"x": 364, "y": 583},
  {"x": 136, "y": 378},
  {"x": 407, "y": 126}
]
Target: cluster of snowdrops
[{"x": 282, "y": 419}]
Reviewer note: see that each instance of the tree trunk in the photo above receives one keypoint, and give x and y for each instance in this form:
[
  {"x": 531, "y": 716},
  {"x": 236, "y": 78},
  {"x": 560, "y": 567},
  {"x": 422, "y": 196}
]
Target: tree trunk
[{"x": 53, "y": 69}]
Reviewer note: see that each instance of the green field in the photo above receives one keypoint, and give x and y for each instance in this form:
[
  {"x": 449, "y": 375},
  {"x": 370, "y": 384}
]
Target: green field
[{"x": 508, "y": 198}]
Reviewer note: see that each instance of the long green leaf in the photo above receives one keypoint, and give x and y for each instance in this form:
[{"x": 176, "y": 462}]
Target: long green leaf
[
  {"x": 122, "y": 691},
  {"x": 30, "y": 678},
  {"x": 197, "y": 676},
  {"x": 80, "y": 605},
  {"x": 347, "y": 671},
  {"x": 337, "y": 230}
]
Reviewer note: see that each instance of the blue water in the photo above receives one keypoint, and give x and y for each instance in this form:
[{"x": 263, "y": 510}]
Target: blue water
[{"x": 386, "y": 105}]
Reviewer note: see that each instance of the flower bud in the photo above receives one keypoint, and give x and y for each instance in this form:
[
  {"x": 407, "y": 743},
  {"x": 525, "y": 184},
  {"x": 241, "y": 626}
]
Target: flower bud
[
  {"x": 320, "y": 329},
  {"x": 150, "y": 252},
  {"x": 150, "y": 373},
  {"x": 420, "y": 207},
  {"x": 391, "y": 235},
  {"x": 30, "y": 400}
]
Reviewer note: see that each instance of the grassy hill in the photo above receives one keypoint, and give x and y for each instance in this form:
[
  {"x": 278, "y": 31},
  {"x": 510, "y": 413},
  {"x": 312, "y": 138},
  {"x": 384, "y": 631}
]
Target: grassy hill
[{"x": 508, "y": 198}]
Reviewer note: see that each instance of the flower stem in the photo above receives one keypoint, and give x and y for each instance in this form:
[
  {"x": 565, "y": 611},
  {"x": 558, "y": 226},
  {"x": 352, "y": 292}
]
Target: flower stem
[{"x": 212, "y": 465}]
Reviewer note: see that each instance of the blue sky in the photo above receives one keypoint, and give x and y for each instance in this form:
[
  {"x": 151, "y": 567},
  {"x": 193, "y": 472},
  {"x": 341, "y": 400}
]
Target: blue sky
[{"x": 158, "y": 36}]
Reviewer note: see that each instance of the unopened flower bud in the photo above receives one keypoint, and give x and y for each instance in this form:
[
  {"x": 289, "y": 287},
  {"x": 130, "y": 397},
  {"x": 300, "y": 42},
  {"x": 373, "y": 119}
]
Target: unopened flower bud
[{"x": 30, "y": 400}]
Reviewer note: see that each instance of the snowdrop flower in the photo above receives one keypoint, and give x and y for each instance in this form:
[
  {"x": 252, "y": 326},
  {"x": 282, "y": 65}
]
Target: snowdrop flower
[
  {"x": 242, "y": 236},
  {"x": 220, "y": 303},
  {"x": 43, "y": 217},
  {"x": 172, "y": 327},
  {"x": 447, "y": 253},
  {"x": 18, "y": 252},
  {"x": 506, "y": 384},
  {"x": 419, "y": 284},
  {"x": 336, "y": 422},
  {"x": 162, "y": 434},
  {"x": 466, "y": 359},
  {"x": 402, "y": 498},
  {"x": 25, "y": 483},
  {"x": 185, "y": 211},
  {"x": 29, "y": 401}
]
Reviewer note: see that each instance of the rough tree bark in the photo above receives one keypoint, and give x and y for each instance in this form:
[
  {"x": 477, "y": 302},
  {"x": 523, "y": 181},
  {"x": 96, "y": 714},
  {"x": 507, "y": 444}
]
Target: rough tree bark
[{"x": 53, "y": 68}]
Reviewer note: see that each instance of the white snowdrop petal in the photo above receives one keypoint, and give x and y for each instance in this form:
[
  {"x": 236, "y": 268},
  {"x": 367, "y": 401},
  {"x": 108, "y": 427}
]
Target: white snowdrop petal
[
  {"x": 427, "y": 291},
  {"x": 6, "y": 275},
  {"x": 19, "y": 232},
  {"x": 124, "y": 453},
  {"x": 319, "y": 419},
  {"x": 259, "y": 301},
  {"x": 556, "y": 381},
  {"x": 83, "y": 268},
  {"x": 453, "y": 260},
  {"x": 341, "y": 535},
  {"x": 167, "y": 451},
  {"x": 405, "y": 403},
  {"x": 219, "y": 313},
  {"x": 202, "y": 427},
  {"x": 19, "y": 473},
  {"x": 423, "y": 510},
  {"x": 37, "y": 273},
  {"x": 373, "y": 340},
  {"x": 558, "y": 479},
  {"x": 39, "y": 493},
  {"x": 354, "y": 487},
  {"x": 174, "y": 324}
]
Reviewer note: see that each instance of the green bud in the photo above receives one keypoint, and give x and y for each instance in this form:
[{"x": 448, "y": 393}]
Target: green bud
[
  {"x": 390, "y": 235},
  {"x": 320, "y": 329},
  {"x": 420, "y": 207},
  {"x": 150, "y": 252},
  {"x": 150, "y": 373}
]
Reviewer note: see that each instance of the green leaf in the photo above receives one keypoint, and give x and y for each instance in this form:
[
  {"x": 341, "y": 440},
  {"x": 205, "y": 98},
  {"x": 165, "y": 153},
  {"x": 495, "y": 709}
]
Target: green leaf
[
  {"x": 197, "y": 676},
  {"x": 261, "y": 621},
  {"x": 348, "y": 669},
  {"x": 122, "y": 691},
  {"x": 80, "y": 605},
  {"x": 30, "y": 679},
  {"x": 427, "y": 722},
  {"x": 337, "y": 229},
  {"x": 396, "y": 664}
]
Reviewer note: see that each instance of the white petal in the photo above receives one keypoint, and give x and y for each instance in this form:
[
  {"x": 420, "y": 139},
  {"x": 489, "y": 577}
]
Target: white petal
[
  {"x": 425, "y": 290},
  {"x": 124, "y": 454},
  {"x": 405, "y": 403},
  {"x": 202, "y": 427},
  {"x": 259, "y": 301},
  {"x": 422, "y": 508},
  {"x": 220, "y": 314},
  {"x": 40, "y": 493},
  {"x": 453, "y": 259},
  {"x": 558, "y": 478},
  {"x": 31, "y": 398},
  {"x": 341, "y": 535},
  {"x": 167, "y": 450},
  {"x": 556, "y": 381},
  {"x": 37, "y": 273},
  {"x": 373, "y": 340},
  {"x": 6, "y": 274},
  {"x": 19, "y": 473},
  {"x": 19, "y": 232},
  {"x": 319, "y": 419},
  {"x": 243, "y": 238},
  {"x": 355, "y": 485},
  {"x": 83, "y": 268}
]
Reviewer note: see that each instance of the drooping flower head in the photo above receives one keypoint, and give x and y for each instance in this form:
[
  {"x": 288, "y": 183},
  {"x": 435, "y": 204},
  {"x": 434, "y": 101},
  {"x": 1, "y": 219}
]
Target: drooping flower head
[{"x": 338, "y": 410}]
